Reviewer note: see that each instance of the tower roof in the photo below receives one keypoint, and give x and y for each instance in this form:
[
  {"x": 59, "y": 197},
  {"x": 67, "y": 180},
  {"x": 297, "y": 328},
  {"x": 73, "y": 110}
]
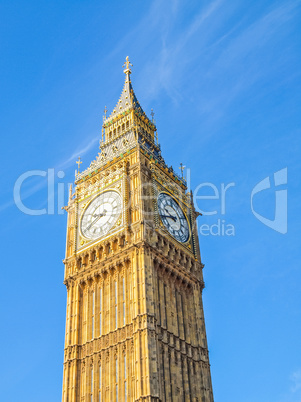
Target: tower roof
[{"x": 128, "y": 99}]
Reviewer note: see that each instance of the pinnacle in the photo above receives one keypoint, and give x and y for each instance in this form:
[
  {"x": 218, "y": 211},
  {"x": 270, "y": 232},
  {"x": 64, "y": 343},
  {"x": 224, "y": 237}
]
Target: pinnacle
[{"x": 128, "y": 99}]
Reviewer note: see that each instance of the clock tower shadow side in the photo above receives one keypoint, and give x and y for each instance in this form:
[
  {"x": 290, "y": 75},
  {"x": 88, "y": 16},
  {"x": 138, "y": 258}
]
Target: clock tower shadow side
[{"x": 173, "y": 280}]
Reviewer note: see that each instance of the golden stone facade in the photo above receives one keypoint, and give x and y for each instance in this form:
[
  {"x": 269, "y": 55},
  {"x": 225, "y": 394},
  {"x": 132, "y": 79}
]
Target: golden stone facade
[{"x": 135, "y": 326}]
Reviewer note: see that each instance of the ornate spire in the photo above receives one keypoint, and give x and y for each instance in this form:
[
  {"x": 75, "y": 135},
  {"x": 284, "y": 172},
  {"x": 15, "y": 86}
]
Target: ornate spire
[{"x": 128, "y": 99}]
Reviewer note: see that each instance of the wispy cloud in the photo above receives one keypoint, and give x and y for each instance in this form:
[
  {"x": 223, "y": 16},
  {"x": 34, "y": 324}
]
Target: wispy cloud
[
  {"x": 30, "y": 185},
  {"x": 296, "y": 380},
  {"x": 223, "y": 58},
  {"x": 293, "y": 394},
  {"x": 26, "y": 193},
  {"x": 81, "y": 150},
  {"x": 168, "y": 59},
  {"x": 232, "y": 58},
  {"x": 173, "y": 57},
  {"x": 237, "y": 53}
]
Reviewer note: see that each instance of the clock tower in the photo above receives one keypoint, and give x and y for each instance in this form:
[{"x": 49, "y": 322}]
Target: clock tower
[{"x": 135, "y": 327}]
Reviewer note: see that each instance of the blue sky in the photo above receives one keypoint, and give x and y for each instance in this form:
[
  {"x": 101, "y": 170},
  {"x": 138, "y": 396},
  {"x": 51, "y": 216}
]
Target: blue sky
[{"x": 224, "y": 81}]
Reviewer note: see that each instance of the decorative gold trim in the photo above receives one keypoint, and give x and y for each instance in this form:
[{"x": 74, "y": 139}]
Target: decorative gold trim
[{"x": 101, "y": 189}]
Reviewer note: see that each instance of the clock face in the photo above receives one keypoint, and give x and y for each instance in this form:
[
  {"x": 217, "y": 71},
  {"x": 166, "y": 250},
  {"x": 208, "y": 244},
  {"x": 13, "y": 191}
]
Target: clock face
[
  {"x": 101, "y": 215},
  {"x": 173, "y": 217}
]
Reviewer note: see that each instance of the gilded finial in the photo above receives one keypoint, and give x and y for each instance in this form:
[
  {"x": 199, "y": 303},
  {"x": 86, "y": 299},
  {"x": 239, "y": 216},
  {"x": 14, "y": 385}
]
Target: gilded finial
[
  {"x": 182, "y": 167},
  {"x": 127, "y": 65},
  {"x": 79, "y": 162},
  {"x": 152, "y": 114},
  {"x": 102, "y": 131}
]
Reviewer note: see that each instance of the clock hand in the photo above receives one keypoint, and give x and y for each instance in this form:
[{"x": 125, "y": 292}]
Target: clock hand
[
  {"x": 101, "y": 214},
  {"x": 169, "y": 216},
  {"x": 95, "y": 220}
]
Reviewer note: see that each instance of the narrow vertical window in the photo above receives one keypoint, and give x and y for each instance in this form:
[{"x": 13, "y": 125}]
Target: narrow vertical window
[
  {"x": 116, "y": 379},
  {"x": 123, "y": 300},
  {"x": 91, "y": 393},
  {"x": 93, "y": 313},
  {"x": 125, "y": 379},
  {"x": 165, "y": 318},
  {"x": 183, "y": 381},
  {"x": 116, "y": 310},
  {"x": 189, "y": 376},
  {"x": 177, "y": 311},
  {"x": 159, "y": 301},
  {"x": 99, "y": 390},
  {"x": 183, "y": 316},
  {"x": 163, "y": 375},
  {"x": 100, "y": 311},
  {"x": 85, "y": 302},
  {"x": 170, "y": 377},
  {"x": 130, "y": 284},
  {"x": 83, "y": 381}
]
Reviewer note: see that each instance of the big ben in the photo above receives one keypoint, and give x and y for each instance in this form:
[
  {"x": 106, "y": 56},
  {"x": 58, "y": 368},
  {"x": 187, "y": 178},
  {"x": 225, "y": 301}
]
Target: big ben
[{"x": 135, "y": 327}]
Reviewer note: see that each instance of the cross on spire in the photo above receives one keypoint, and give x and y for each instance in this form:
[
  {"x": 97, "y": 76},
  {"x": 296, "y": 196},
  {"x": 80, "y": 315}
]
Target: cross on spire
[
  {"x": 127, "y": 65},
  {"x": 105, "y": 112},
  {"x": 79, "y": 162},
  {"x": 182, "y": 167}
]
